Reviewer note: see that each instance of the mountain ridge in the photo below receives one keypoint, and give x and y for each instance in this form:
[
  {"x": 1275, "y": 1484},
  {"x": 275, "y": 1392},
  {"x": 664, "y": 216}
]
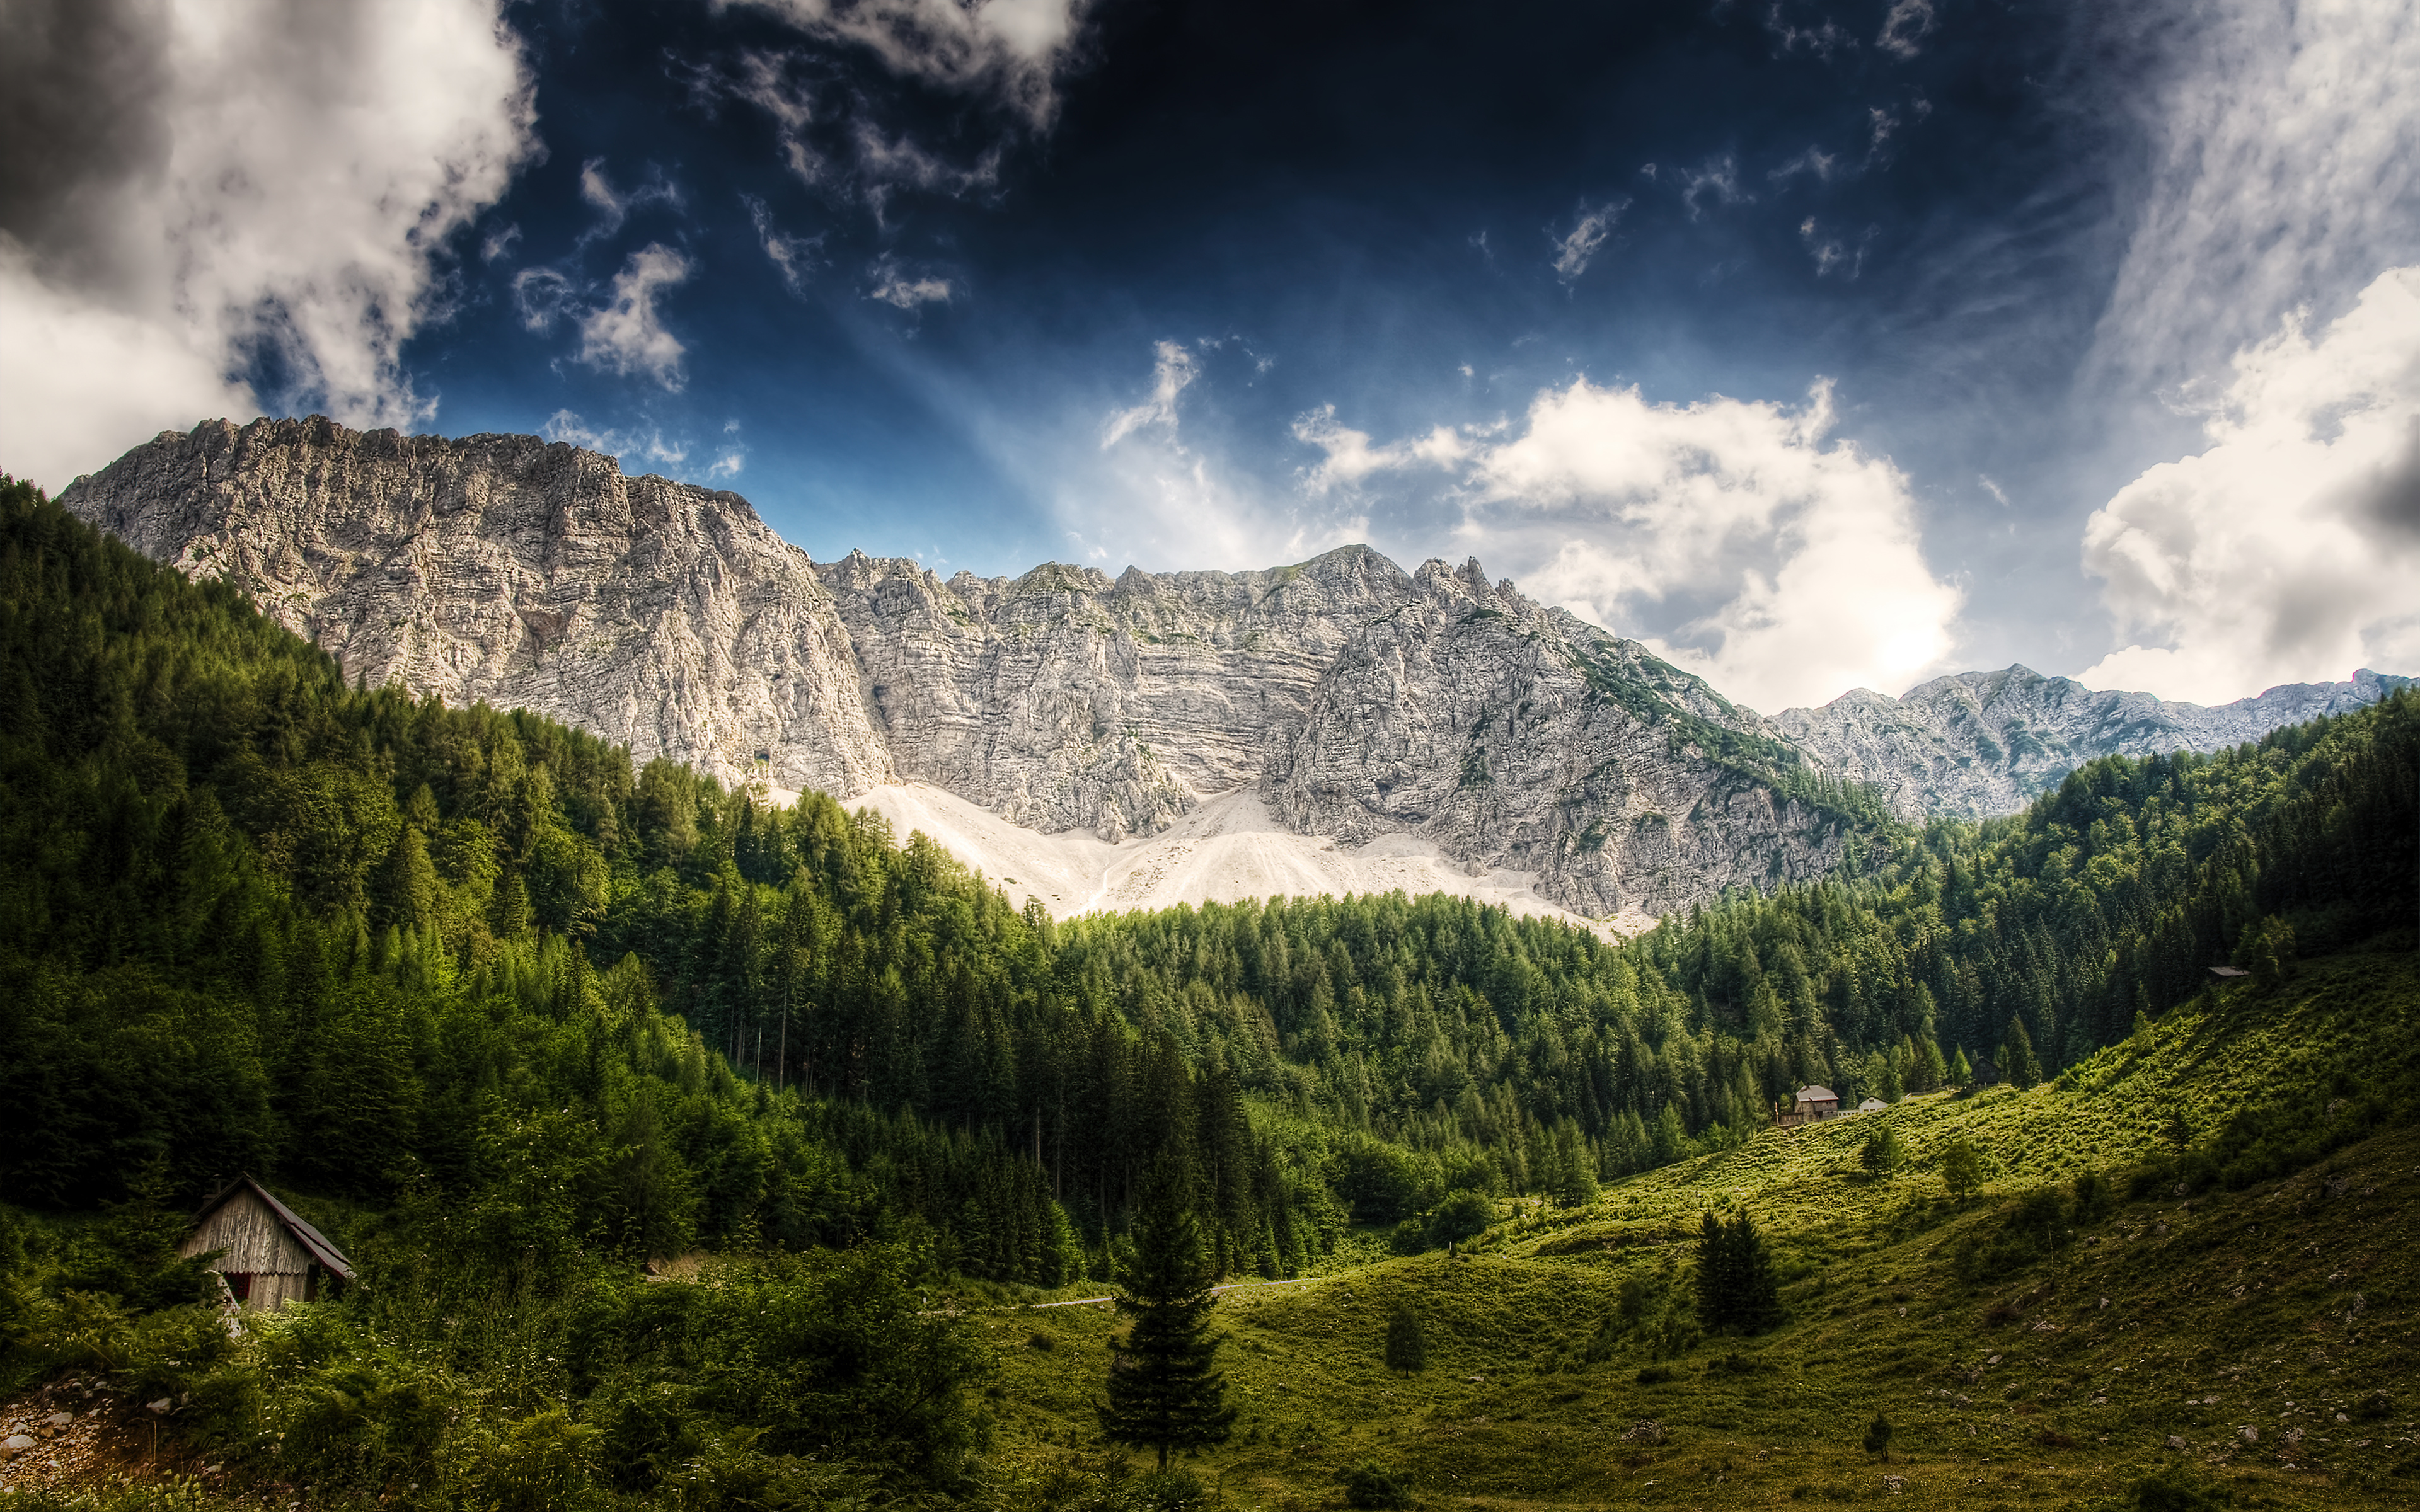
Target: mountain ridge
[{"x": 1358, "y": 700}]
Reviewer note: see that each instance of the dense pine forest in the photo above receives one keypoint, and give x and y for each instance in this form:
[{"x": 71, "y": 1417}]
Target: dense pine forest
[{"x": 523, "y": 1016}]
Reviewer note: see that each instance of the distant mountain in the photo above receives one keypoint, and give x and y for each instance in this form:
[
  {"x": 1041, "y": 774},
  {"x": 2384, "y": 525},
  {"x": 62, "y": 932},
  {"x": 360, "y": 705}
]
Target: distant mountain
[
  {"x": 1365, "y": 704},
  {"x": 1976, "y": 744}
]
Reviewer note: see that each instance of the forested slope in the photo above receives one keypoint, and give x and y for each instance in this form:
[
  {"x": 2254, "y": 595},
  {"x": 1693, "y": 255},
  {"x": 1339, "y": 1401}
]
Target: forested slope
[{"x": 254, "y": 917}]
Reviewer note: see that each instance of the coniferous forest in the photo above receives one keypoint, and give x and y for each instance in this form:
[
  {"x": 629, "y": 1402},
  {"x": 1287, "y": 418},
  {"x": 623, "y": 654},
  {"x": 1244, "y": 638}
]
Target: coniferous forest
[{"x": 522, "y": 1017}]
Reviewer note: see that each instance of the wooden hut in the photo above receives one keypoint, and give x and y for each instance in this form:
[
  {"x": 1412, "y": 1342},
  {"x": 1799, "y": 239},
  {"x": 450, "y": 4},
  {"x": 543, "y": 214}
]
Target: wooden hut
[{"x": 269, "y": 1254}]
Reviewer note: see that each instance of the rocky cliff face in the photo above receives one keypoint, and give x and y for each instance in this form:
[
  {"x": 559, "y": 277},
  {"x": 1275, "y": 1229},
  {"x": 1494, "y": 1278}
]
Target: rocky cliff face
[
  {"x": 1517, "y": 737},
  {"x": 527, "y": 574},
  {"x": 1361, "y": 702},
  {"x": 1986, "y": 743}
]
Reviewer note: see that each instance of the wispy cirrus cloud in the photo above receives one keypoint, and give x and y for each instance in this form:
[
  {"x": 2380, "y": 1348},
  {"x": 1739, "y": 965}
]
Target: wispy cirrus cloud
[
  {"x": 1904, "y": 27},
  {"x": 2285, "y": 171},
  {"x": 891, "y": 282},
  {"x": 1576, "y": 248}
]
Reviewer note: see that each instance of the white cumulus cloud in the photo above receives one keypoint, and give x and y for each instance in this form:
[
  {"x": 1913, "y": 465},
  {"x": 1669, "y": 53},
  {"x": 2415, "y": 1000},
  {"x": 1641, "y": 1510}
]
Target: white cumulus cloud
[
  {"x": 2289, "y": 550},
  {"x": 1781, "y": 563},
  {"x": 626, "y": 335},
  {"x": 191, "y": 184}
]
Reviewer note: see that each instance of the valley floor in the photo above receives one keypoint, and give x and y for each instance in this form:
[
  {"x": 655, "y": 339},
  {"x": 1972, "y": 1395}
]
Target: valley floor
[{"x": 2263, "y": 1338}]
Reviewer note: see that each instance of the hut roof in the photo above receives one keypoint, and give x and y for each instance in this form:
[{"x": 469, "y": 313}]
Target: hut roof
[
  {"x": 1818, "y": 1094},
  {"x": 1871, "y": 1104},
  {"x": 2224, "y": 972},
  {"x": 309, "y": 1237}
]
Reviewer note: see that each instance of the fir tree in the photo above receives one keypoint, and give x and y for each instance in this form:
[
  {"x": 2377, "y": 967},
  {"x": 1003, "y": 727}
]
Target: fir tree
[
  {"x": 1735, "y": 1282},
  {"x": 2017, "y": 1062},
  {"x": 1406, "y": 1348},
  {"x": 1163, "y": 1391}
]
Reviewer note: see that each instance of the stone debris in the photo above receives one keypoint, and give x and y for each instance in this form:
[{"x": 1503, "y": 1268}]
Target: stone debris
[{"x": 2175, "y": 1441}]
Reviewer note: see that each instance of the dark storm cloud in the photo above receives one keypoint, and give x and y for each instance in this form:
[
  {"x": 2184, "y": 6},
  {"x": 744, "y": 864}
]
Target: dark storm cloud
[{"x": 81, "y": 85}]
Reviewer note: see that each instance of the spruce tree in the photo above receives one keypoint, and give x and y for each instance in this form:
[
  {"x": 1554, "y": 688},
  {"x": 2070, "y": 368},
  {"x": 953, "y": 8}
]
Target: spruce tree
[
  {"x": 1406, "y": 1348},
  {"x": 2017, "y": 1062},
  {"x": 1164, "y": 1392},
  {"x": 1736, "y": 1287}
]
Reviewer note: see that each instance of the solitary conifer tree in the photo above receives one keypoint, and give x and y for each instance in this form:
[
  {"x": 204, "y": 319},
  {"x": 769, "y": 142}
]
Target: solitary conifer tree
[
  {"x": 1407, "y": 1350},
  {"x": 1163, "y": 1392}
]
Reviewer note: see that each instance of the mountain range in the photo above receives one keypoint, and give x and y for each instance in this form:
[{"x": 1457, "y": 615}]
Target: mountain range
[{"x": 1324, "y": 721}]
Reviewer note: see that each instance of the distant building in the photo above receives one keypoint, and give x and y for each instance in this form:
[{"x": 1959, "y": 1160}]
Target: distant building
[
  {"x": 1872, "y": 1104},
  {"x": 269, "y": 1254},
  {"x": 1812, "y": 1105},
  {"x": 2227, "y": 973}
]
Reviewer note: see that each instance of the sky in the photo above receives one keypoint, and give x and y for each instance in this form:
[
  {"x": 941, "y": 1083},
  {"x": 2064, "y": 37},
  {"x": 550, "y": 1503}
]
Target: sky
[{"x": 1817, "y": 345}]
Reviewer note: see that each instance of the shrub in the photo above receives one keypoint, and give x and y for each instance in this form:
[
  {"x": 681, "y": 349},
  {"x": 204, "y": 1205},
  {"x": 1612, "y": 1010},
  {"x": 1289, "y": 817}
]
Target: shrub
[
  {"x": 2176, "y": 1489},
  {"x": 1376, "y": 1488},
  {"x": 2094, "y": 1197},
  {"x": 1463, "y": 1215}
]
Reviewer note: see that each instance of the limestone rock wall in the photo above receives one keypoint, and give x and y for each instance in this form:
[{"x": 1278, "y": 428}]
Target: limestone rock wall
[
  {"x": 524, "y": 573},
  {"x": 1362, "y": 702}
]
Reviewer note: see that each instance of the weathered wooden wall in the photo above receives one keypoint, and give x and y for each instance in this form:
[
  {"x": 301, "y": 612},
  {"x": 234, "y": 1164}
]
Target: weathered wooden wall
[{"x": 255, "y": 1241}]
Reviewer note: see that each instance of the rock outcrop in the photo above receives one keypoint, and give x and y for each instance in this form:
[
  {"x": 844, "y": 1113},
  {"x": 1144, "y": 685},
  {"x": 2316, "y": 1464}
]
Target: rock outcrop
[
  {"x": 1361, "y": 702},
  {"x": 525, "y": 573}
]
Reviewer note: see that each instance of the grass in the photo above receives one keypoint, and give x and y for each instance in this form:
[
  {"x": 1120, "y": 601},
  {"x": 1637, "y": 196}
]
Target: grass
[{"x": 2011, "y": 1377}]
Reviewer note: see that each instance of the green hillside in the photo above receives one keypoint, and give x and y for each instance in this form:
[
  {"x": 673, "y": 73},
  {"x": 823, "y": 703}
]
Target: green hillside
[
  {"x": 2026, "y": 1348},
  {"x": 696, "y": 1151}
]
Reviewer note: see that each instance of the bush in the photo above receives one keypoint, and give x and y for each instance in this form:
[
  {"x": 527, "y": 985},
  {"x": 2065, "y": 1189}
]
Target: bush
[
  {"x": 2176, "y": 1489},
  {"x": 1376, "y": 1488},
  {"x": 1410, "y": 1237},
  {"x": 1463, "y": 1215},
  {"x": 2094, "y": 1197}
]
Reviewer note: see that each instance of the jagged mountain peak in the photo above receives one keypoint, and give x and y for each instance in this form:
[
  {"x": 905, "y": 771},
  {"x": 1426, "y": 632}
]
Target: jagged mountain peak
[{"x": 1352, "y": 700}]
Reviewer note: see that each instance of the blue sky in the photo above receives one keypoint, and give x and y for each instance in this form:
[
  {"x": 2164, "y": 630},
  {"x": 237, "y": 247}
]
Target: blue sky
[{"x": 1819, "y": 345}]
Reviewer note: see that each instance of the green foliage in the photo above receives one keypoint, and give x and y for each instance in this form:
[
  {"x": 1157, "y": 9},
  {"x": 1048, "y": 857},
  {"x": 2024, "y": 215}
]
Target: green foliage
[
  {"x": 1164, "y": 1391},
  {"x": 1462, "y": 1215},
  {"x": 1962, "y": 1167},
  {"x": 1882, "y": 1153},
  {"x": 1878, "y": 1436},
  {"x": 2179, "y": 1487},
  {"x": 1407, "y": 1347},
  {"x": 1376, "y": 1487},
  {"x": 2267, "y": 951},
  {"x": 1735, "y": 1283},
  {"x": 2018, "y": 1065}
]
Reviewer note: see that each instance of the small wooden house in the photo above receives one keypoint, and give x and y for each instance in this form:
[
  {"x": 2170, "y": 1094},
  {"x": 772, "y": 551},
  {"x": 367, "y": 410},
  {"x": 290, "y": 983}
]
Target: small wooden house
[
  {"x": 1813, "y": 1104},
  {"x": 1873, "y": 1104},
  {"x": 2228, "y": 973},
  {"x": 268, "y": 1254}
]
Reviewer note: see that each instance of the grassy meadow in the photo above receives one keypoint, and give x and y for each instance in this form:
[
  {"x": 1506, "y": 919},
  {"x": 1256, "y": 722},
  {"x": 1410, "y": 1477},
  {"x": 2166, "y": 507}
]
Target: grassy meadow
[{"x": 2254, "y": 1343}]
